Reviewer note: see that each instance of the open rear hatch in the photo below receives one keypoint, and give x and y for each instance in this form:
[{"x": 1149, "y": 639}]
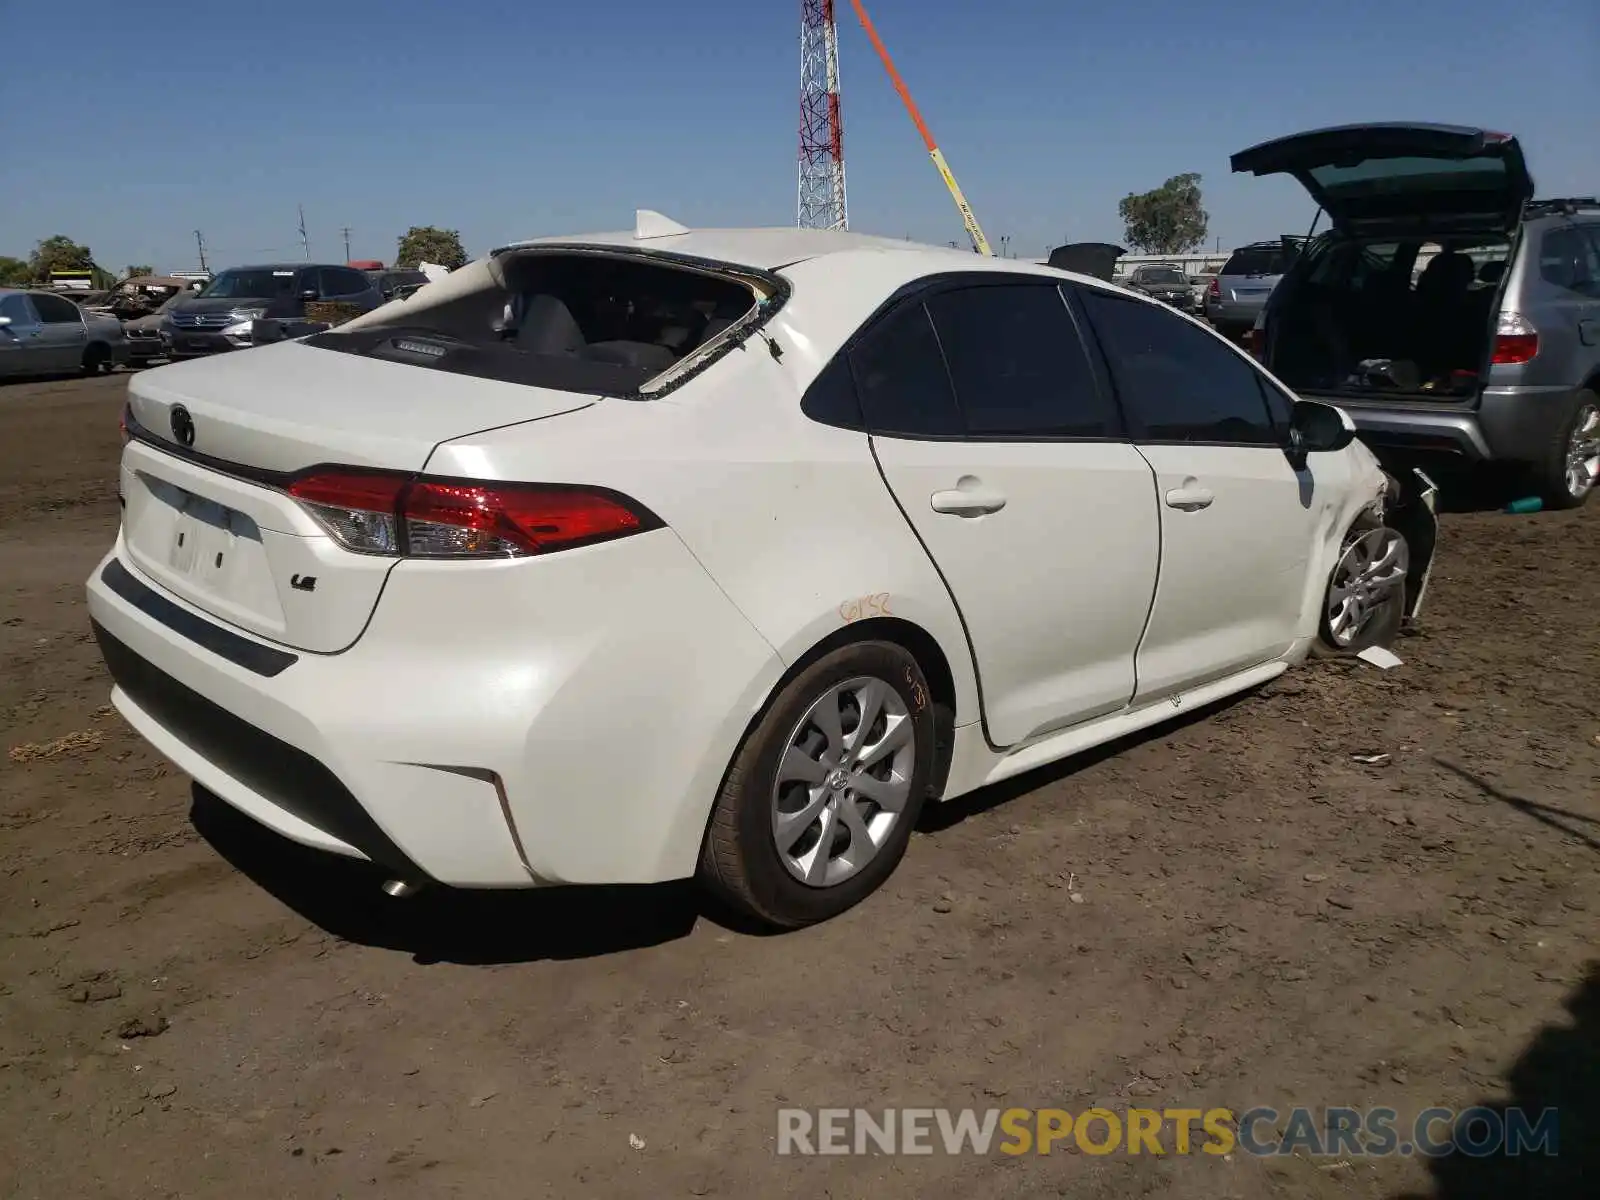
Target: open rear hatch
[
  {"x": 218, "y": 441},
  {"x": 1395, "y": 178}
]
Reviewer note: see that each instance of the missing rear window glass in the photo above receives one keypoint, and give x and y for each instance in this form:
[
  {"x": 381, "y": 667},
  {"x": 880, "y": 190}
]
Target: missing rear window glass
[{"x": 583, "y": 321}]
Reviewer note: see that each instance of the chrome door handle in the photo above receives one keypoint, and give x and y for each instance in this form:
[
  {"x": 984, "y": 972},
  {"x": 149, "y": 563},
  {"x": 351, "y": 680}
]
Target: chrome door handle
[
  {"x": 1190, "y": 499},
  {"x": 969, "y": 498}
]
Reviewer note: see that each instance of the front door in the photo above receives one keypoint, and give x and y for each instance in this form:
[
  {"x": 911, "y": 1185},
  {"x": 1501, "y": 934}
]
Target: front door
[
  {"x": 63, "y": 338},
  {"x": 1006, "y": 456},
  {"x": 1238, "y": 521},
  {"x": 22, "y": 352}
]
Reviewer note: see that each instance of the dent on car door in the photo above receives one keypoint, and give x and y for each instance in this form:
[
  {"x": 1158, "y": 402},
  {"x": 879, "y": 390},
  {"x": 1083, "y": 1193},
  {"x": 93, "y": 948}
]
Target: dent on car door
[
  {"x": 1002, "y": 449},
  {"x": 1238, "y": 521}
]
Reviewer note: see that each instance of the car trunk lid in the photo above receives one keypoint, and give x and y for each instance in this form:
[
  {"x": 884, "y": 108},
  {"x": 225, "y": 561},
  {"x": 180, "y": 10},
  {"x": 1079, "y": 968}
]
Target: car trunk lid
[
  {"x": 1381, "y": 178},
  {"x": 206, "y": 515}
]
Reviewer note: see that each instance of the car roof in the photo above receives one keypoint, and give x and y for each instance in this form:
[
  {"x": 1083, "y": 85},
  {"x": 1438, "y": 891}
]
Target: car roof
[
  {"x": 289, "y": 266},
  {"x": 893, "y": 260}
]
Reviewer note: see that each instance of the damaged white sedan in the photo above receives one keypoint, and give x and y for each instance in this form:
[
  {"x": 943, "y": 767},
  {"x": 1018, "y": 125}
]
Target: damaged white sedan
[{"x": 631, "y": 557}]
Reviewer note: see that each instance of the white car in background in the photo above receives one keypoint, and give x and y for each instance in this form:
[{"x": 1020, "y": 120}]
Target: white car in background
[{"x": 637, "y": 556}]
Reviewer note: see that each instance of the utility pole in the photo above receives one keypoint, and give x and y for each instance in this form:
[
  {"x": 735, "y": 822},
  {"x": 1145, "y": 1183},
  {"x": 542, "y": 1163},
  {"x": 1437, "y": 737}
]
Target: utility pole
[
  {"x": 304, "y": 244},
  {"x": 200, "y": 244},
  {"x": 347, "y": 243}
]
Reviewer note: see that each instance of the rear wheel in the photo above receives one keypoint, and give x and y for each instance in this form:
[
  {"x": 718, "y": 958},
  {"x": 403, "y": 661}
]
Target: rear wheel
[
  {"x": 821, "y": 799},
  {"x": 96, "y": 359},
  {"x": 1572, "y": 467},
  {"x": 1366, "y": 598}
]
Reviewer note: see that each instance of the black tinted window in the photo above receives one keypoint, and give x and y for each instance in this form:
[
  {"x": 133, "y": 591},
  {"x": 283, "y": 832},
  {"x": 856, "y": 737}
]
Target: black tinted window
[
  {"x": 336, "y": 281},
  {"x": 1180, "y": 382},
  {"x": 831, "y": 398},
  {"x": 901, "y": 380},
  {"x": 1567, "y": 258},
  {"x": 53, "y": 310},
  {"x": 1018, "y": 365},
  {"x": 1256, "y": 261}
]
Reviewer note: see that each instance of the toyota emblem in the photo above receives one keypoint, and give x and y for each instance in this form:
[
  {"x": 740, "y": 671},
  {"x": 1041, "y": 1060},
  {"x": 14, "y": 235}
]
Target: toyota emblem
[{"x": 182, "y": 425}]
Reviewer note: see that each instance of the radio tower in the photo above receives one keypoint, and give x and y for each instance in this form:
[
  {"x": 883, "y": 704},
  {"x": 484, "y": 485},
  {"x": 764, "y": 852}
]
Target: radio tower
[{"x": 822, "y": 200}]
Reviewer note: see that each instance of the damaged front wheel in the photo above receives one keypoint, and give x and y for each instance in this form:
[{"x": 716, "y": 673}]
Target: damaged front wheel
[{"x": 1366, "y": 600}]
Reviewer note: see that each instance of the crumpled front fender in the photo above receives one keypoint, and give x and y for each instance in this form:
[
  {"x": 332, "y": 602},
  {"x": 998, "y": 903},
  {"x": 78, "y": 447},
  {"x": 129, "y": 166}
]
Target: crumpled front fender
[{"x": 1410, "y": 506}]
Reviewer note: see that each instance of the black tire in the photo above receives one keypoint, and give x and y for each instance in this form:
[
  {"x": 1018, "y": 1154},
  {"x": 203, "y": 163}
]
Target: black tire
[
  {"x": 739, "y": 859},
  {"x": 1550, "y": 476},
  {"x": 96, "y": 359},
  {"x": 1382, "y": 627}
]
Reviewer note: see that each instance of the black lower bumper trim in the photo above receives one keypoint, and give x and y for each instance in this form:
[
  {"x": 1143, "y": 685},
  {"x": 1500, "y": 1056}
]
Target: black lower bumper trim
[
  {"x": 289, "y": 777},
  {"x": 241, "y": 651}
]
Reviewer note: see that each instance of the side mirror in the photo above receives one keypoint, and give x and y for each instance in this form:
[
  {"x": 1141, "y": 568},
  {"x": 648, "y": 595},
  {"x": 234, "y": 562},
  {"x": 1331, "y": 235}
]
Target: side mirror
[
  {"x": 1318, "y": 429},
  {"x": 309, "y": 294}
]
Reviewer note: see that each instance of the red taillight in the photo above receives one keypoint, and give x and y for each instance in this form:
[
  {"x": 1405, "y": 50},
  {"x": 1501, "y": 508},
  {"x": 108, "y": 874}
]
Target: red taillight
[
  {"x": 1214, "y": 288},
  {"x": 122, "y": 423},
  {"x": 374, "y": 512},
  {"x": 1515, "y": 341}
]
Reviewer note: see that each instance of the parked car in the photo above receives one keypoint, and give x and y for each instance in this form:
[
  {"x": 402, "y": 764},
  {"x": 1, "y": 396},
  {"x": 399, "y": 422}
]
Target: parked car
[
  {"x": 150, "y": 336},
  {"x": 220, "y": 317},
  {"x": 1165, "y": 282},
  {"x": 1493, "y": 353},
  {"x": 669, "y": 553},
  {"x": 1236, "y": 293},
  {"x": 44, "y": 333}
]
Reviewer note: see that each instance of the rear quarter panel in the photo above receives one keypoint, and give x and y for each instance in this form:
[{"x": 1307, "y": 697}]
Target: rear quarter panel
[{"x": 789, "y": 517}]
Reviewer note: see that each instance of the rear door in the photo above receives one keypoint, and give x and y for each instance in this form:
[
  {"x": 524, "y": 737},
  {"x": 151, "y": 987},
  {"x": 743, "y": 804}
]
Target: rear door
[
  {"x": 1376, "y": 178},
  {"x": 1238, "y": 522},
  {"x": 63, "y": 337},
  {"x": 1003, "y": 450}
]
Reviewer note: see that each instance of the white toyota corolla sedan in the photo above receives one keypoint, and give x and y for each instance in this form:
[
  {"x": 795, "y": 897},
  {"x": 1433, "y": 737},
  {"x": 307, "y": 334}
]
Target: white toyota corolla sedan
[{"x": 631, "y": 557}]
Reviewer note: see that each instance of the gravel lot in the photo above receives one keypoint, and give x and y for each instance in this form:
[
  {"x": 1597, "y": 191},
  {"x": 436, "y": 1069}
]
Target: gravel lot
[{"x": 1230, "y": 912}]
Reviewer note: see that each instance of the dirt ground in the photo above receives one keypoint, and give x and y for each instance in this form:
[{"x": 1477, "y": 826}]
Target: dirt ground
[{"x": 1230, "y": 912}]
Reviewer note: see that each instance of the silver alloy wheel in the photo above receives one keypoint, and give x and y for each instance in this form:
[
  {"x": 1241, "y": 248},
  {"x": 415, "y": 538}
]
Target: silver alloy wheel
[
  {"x": 1371, "y": 575},
  {"x": 1583, "y": 452},
  {"x": 843, "y": 782}
]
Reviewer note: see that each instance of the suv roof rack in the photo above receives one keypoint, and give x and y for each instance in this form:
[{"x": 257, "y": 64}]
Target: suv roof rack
[{"x": 1561, "y": 204}]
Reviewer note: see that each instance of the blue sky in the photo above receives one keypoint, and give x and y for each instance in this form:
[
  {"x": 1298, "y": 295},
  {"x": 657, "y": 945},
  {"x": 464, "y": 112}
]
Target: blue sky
[{"x": 132, "y": 125}]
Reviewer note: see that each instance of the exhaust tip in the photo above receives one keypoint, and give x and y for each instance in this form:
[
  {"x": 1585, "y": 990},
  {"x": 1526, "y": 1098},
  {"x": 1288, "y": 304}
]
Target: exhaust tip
[{"x": 400, "y": 889}]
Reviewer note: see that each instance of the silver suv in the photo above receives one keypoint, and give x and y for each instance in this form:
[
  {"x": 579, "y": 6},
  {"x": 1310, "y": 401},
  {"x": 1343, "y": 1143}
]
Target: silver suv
[
  {"x": 1236, "y": 294},
  {"x": 1446, "y": 310}
]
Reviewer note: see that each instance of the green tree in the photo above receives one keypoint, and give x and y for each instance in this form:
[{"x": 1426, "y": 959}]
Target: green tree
[
  {"x": 59, "y": 253},
  {"x": 427, "y": 243},
  {"x": 138, "y": 269},
  {"x": 1168, "y": 220},
  {"x": 15, "y": 272}
]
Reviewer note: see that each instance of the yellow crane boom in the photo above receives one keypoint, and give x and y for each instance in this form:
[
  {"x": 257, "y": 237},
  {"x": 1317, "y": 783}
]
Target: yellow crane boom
[{"x": 979, "y": 242}]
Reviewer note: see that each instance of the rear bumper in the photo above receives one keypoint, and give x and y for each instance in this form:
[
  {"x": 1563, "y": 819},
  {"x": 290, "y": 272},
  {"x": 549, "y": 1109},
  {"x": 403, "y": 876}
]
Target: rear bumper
[
  {"x": 500, "y": 724},
  {"x": 1231, "y": 312},
  {"x": 1511, "y": 424}
]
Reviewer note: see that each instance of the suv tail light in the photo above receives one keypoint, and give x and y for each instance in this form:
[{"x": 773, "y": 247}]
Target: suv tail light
[
  {"x": 380, "y": 512},
  {"x": 1515, "y": 341},
  {"x": 1214, "y": 289}
]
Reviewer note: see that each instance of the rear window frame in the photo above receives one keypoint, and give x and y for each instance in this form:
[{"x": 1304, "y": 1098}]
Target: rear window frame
[{"x": 663, "y": 383}]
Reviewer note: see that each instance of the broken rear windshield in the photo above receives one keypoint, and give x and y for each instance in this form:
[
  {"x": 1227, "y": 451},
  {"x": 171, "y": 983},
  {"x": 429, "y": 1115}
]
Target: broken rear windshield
[{"x": 581, "y": 322}]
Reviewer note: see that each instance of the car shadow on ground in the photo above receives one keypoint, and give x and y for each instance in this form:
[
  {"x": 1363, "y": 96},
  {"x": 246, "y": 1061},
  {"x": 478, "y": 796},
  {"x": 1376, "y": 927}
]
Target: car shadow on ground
[
  {"x": 937, "y": 817},
  {"x": 1560, "y": 1070},
  {"x": 447, "y": 925}
]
